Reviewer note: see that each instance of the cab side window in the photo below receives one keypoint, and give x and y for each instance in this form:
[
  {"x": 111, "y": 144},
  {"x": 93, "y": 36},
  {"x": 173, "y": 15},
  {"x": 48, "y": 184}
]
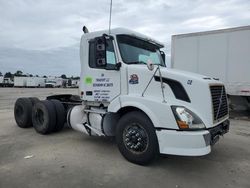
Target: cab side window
[
  {"x": 110, "y": 54},
  {"x": 92, "y": 63}
]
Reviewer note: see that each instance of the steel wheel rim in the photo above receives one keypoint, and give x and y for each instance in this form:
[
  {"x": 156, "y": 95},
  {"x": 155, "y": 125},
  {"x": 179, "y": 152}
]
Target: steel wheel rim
[
  {"x": 19, "y": 110},
  {"x": 40, "y": 117},
  {"x": 135, "y": 138}
]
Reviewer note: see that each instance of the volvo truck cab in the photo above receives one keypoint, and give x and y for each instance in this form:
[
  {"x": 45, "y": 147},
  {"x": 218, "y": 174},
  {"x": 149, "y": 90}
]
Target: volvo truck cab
[{"x": 127, "y": 92}]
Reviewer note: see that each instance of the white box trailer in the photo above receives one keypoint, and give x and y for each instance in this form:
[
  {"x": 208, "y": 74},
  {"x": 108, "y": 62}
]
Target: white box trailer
[
  {"x": 59, "y": 82},
  {"x": 35, "y": 82},
  {"x": 20, "y": 81},
  {"x": 1, "y": 80},
  {"x": 223, "y": 54}
]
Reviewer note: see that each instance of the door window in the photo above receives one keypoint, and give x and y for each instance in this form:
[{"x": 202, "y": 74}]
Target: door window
[{"x": 110, "y": 55}]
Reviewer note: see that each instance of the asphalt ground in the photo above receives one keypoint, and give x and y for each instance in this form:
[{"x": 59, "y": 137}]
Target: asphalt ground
[{"x": 71, "y": 159}]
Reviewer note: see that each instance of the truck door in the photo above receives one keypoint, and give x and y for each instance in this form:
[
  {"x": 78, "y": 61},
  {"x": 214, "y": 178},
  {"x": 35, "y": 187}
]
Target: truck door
[{"x": 102, "y": 81}]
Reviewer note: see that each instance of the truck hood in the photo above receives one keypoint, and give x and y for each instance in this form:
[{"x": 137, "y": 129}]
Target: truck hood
[
  {"x": 175, "y": 73},
  {"x": 189, "y": 75},
  {"x": 196, "y": 87}
]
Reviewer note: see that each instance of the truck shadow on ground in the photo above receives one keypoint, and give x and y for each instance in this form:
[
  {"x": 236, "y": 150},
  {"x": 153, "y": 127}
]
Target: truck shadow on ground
[
  {"x": 240, "y": 114},
  {"x": 221, "y": 154},
  {"x": 218, "y": 154}
]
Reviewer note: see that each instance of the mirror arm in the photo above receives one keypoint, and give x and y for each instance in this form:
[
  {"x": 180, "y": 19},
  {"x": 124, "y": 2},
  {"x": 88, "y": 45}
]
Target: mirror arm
[{"x": 118, "y": 65}]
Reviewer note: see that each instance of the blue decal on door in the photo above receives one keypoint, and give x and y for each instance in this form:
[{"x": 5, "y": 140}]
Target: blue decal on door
[{"x": 134, "y": 79}]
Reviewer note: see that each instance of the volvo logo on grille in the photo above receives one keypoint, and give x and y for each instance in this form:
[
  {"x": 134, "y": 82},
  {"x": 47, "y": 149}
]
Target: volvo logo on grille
[
  {"x": 220, "y": 102},
  {"x": 220, "y": 99}
]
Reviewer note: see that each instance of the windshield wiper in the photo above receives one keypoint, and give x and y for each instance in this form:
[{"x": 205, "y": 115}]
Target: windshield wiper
[
  {"x": 142, "y": 62},
  {"x": 136, "y": 62}
]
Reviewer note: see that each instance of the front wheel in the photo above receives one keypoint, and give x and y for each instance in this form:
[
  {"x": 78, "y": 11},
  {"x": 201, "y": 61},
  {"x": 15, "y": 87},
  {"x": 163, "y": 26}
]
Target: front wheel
[{"x": 136, "y": 138}]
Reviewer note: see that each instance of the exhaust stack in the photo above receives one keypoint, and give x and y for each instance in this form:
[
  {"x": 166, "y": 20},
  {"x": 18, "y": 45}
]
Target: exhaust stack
[{"x": 85, "y": 29}]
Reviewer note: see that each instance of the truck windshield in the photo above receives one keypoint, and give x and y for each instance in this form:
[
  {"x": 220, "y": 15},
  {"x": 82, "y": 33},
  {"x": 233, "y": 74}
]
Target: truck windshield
[{"x": 137, "y": 51}]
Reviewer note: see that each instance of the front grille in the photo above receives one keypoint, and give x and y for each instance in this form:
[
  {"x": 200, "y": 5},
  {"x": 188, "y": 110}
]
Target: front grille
[{"x": 219, "y": 101}]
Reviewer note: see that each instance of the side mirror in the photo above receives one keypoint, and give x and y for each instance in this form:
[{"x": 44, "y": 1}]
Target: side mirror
[
  {"x": 163, "y": 56},
  {"x": 150, "y": 65},
  {"x": 100, "y": 51}
]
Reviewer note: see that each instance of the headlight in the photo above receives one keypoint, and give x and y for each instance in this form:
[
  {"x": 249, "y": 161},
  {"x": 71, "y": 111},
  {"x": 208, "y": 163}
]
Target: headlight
[{"x": 186, "y": 119}]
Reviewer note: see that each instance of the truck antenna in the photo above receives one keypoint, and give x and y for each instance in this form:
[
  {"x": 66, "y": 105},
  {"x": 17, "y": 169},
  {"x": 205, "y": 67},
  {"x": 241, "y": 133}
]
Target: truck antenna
[{"x": 110, "y": 14}]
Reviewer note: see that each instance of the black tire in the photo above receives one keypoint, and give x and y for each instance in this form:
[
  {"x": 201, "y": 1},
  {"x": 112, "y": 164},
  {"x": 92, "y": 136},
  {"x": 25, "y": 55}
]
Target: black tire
[
  {"x": 34, "y": 100},
  {"x": 60, "y": 115},
  {"x": 68, "y": 116},
  {"x": 143, "y": 151},
  {"x": 22, "y": 112},
  {"x": 44, "y": 117}
]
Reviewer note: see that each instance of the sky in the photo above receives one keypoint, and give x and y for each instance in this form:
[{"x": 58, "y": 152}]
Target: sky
[{"x": 41, "y": 37}]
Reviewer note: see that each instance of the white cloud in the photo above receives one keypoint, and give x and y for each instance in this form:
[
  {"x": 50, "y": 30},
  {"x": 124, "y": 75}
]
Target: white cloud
[
  {"x": 207, "y": 22},
  {"x": 53, "y": 26}
]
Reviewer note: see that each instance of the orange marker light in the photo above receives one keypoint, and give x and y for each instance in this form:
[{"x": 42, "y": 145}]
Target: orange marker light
[{"x": 182, "y": 125}]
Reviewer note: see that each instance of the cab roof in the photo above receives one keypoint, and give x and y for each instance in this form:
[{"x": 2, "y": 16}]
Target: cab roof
[{"x": 122, "y": 31}]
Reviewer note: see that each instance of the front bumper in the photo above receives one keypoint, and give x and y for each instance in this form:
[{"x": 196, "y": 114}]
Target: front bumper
[
  {"x": 218, "y": 131},
  {"x": 190, "y": 143}
]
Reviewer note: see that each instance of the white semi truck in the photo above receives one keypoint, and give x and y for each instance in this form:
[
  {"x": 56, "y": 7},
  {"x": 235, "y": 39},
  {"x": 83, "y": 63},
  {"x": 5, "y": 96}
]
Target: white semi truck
[
  {"x": 55, "y": 82},
  {"x": 7, "y": 82},
  {"x": 127, "y": 92},
  {"x": 222, "y": 54}
]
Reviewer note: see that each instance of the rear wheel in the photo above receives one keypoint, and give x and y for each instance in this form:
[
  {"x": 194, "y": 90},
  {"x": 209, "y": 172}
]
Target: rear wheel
[
  {"x": 60, "y": 115},
  {"x": 136, "y": 138},
  {"x": 34, "y": 100},
  {"x": 22, "y": 112},
  {"x": 44, "y": 117}
]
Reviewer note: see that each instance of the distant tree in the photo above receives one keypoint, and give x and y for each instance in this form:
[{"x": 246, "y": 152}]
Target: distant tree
[
  {"x": 1, "y": 74},
  {"x": 37, "y": 76},
  {"x": 63, "y": 76},
  {"x": 18, "y": 73},
  {"x": 44, "y": 76},
  {"x": 8, "y": 75},
  {"x": 31, "y": 75}
]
